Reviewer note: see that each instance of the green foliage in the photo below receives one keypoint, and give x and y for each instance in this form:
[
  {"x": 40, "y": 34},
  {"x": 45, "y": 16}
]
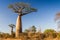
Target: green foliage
[
  {"x": 54, "y": 35},
  {"x": 25, "y": 7},
  {"x": 50, "y": 33},
  {"x": 7, "y": 35},
  {"x": 26, "y": 31},
  {"x": 32, "y": 34},
  {"x": 33, "y": 29},
  {"x": 4, "y": 35},
  {"x": 10, "y": 6},
  {"x": 11, "y": 25}
]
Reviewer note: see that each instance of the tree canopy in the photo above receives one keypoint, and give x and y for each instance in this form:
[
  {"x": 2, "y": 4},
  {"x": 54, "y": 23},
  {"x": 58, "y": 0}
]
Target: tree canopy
[
  {"x": 21, "y": 7},
  {"x": 49, "y": 30}
]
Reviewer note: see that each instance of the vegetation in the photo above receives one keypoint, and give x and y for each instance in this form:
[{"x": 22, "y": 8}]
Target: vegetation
[
  {"x": 21, "y": 9},
  {"x": 33, "y": 35},
  {"x": 50, "y": 33},
  {"x": 12, "y": 26},
  {"x": 31, "y": 29}
]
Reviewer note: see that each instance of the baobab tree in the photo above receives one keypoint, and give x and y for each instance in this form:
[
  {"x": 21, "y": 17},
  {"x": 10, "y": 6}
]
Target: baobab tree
[
  {"x": 11, "y": 26},
  {"x": 57, "y": 20},
  {"x": 21, "y": 9}
]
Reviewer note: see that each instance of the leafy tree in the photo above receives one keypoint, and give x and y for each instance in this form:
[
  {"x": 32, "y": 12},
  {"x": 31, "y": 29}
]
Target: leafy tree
[
  {"x": 33, "y": 29},
  {"x": 50, "y": 33}
]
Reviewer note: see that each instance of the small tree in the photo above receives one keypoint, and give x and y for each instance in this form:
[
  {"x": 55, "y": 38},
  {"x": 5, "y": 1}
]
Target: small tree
[
  {"x": 33, "y": 29},
  {"x": 11, "y": 26},
  {"x": 26, "y": 30}
]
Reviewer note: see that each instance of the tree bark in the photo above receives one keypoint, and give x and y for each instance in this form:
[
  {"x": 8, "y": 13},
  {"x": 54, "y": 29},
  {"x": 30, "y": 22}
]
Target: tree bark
[
  {"x": 12, "y": 31},
  {"x": 18, "y": 26}
]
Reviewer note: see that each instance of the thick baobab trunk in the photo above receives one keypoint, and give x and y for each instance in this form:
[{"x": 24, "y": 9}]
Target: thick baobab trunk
[{"x": 18, "y": 26}]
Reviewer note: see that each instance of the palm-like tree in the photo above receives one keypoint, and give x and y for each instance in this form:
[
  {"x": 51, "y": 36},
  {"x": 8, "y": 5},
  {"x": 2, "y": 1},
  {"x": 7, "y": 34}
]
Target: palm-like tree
[
  {"x": 11, "y": 26},
  {"x": 21, "y": 9}
]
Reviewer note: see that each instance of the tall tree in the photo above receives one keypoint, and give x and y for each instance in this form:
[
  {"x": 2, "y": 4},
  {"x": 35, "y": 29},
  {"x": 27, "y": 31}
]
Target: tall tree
[
  {"x": 11, "y": 26},
  {"x": 21, "y": 9},
  {"x": 57, "y": 20}
]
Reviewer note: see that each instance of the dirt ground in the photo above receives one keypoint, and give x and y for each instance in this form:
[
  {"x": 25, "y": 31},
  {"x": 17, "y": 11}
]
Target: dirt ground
[
  {"x": 20, "y": 39},
  {"x": 9, "y": 39}
]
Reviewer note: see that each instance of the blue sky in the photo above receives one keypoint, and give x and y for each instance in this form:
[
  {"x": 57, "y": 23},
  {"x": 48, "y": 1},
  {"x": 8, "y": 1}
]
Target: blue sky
[{"x": 42, "y": 19}]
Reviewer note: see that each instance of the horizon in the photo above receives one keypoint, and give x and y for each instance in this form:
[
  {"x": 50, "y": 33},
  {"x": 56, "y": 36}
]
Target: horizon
[{"x": 43, "y": 19}]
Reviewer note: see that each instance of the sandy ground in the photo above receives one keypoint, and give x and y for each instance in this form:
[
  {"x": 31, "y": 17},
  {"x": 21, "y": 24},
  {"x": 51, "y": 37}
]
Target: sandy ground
[{"x": 9, "y": 39}]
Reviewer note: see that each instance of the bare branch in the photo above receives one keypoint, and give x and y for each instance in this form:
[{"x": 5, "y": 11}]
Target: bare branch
[
  {"x": 25, "y": 13},
  {"x": 57, "y": 17},
  {"x": 22, "y": 8}
]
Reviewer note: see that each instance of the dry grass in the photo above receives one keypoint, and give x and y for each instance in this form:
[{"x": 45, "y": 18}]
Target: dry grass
[
  {"x": 9, "y": 39},
  {"x": 34, "y": 39}
]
